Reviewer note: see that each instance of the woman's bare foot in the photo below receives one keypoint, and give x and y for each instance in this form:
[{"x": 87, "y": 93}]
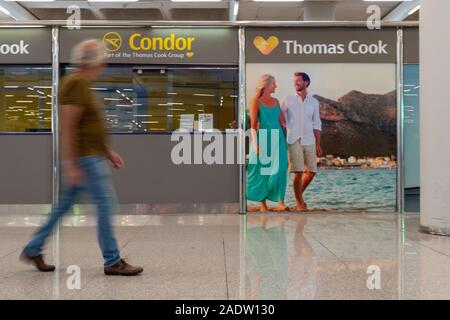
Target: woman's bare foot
[
  {"x": 252, "y": 209},
  {"x": 282, "y": 208},
  {"x": 263, "y": 207}
]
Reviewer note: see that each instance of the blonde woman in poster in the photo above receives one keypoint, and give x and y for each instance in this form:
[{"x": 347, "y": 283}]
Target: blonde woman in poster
[{"x": 268, "y": 163}]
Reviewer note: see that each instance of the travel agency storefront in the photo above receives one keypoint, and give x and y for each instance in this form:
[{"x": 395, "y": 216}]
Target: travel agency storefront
[{"x": 200, "y": 79}]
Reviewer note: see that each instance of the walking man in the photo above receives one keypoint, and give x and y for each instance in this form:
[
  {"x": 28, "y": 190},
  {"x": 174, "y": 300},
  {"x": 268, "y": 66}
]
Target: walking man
[
  {"x": 302, "y": 115},
  {"x": 85, "y": 155}
]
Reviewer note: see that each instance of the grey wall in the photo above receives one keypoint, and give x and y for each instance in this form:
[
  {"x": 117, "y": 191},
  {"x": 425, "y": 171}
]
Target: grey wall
[
  {"x": 26, "y": 169},
  {"x": 411, "y": 45},
  {"x": 149, "y": 175}
]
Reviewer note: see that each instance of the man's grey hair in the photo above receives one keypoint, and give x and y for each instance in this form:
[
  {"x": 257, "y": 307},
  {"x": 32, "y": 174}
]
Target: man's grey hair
[{"x": 89, "y": 53}]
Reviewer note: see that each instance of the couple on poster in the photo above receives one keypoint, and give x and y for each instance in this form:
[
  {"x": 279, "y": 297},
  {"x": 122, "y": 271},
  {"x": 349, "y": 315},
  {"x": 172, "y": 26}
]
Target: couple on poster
[{"x": 281, "y": 131}]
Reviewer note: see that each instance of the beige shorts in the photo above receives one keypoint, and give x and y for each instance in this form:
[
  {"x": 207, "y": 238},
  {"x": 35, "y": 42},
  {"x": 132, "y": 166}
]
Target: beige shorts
[{"x": 301, "y": 157}]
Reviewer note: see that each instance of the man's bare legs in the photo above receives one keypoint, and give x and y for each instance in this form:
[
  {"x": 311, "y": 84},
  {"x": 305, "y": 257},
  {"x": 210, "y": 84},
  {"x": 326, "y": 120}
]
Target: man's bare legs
[
  {"x": 307, "y": 178},
  {"x": 298, "y": 191},
  {"x": 301, "y": 181}
]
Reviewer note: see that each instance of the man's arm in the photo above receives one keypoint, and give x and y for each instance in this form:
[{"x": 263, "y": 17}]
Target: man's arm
[
  {"x": 318, "y": 145},
  {"x": 317, "y": 128}
]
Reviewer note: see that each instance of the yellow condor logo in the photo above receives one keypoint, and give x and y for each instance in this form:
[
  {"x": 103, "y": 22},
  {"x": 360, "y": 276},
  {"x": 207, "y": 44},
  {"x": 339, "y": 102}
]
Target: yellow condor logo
[
  {"x": 139, "y": 42},
  {"x": 266, "y": 46},
  {"x": 112, "y": 41}
]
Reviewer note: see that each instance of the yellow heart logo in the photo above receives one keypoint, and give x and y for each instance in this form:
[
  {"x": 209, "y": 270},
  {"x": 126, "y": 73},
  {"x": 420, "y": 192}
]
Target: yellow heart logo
[
  {"x": 189, "y": 54},
  {"x": 266, "y": 46}
]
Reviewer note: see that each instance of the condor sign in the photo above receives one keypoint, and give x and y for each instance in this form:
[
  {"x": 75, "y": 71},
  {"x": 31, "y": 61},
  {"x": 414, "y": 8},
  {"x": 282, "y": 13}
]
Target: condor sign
[
  {"x": 159, "y": 45},
  {"x": 30, "y": 46}
]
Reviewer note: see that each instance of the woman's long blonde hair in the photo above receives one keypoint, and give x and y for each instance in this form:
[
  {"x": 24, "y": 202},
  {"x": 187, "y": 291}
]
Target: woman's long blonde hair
[{"x": 263, "y": 82}]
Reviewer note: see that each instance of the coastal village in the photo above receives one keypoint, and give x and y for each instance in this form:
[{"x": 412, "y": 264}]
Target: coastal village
[{"x": 332, "y": 162}]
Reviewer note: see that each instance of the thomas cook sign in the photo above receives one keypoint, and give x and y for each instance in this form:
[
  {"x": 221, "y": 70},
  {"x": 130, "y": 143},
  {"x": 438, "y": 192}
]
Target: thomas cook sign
[
  {"x": 25, "y": 45},
  {"x": 321, "y": 45},
  {"x": 159, "y": 45}
]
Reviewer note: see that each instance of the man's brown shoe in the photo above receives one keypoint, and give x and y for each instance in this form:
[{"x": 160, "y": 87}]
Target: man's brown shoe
[
  {"x": 122, "y": 268},
  {"x": 38, "y": 262}
]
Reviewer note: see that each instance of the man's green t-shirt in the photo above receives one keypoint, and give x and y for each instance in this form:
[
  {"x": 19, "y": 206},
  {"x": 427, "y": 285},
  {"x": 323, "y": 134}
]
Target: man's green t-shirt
[{"x": 91, "y": 140}]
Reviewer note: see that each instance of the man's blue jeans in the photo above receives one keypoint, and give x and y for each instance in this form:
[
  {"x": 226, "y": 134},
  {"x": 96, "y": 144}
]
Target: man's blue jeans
[{"x": 97, "y": 182}]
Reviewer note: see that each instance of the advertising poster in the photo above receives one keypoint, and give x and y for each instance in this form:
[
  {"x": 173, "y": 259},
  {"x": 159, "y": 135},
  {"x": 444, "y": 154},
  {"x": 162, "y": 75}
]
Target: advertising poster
[{"x": 327, "y": 98}]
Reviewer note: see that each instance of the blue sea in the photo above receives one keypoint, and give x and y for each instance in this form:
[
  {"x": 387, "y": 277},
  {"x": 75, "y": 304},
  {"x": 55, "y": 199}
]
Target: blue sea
[{"x": 371, "y": 190}]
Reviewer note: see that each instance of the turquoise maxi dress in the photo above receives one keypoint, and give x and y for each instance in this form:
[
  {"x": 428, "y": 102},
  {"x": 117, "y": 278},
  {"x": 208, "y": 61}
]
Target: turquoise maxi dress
[{"x": 267, "y": 173}]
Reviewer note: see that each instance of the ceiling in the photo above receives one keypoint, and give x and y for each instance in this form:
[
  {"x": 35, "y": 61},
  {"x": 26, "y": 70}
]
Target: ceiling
[{"x": 249, "y": 10}]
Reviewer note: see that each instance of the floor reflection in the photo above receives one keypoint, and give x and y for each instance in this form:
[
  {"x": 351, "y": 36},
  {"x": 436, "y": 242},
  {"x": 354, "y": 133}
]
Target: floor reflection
[
  {"x": 258, "y": 256},
  {"x": 321, "y": 256},
  {"x": 280, "y": 264}
]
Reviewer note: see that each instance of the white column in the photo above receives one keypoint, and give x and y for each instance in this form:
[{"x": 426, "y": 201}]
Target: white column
[{"x": 435, "y": 116}]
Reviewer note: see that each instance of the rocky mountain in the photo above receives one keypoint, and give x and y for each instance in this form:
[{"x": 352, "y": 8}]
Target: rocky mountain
[{"x": 359, "y": 124}]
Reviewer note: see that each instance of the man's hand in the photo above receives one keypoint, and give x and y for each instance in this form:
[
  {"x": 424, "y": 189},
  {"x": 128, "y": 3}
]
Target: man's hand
[
  {"x": 318, "y": 147},
  {"x": 73, "y": 173},
  {"x": 319, "y": 151},
  {"x": 116, "y": 159}
]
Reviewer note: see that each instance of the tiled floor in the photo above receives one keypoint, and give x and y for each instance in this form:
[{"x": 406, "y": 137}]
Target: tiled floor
[{"x": 271, "y": 256}]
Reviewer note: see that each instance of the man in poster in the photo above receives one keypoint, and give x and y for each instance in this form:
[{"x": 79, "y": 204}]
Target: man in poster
[{"x": 302, "y": 115}]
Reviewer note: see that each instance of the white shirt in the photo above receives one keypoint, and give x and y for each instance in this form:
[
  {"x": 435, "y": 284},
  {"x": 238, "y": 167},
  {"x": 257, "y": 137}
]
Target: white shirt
[{"x": 302, "y": 118}]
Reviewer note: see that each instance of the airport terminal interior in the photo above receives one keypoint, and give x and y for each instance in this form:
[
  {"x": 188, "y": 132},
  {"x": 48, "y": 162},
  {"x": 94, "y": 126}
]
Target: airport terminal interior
[{"x": 177, "y": 94}]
